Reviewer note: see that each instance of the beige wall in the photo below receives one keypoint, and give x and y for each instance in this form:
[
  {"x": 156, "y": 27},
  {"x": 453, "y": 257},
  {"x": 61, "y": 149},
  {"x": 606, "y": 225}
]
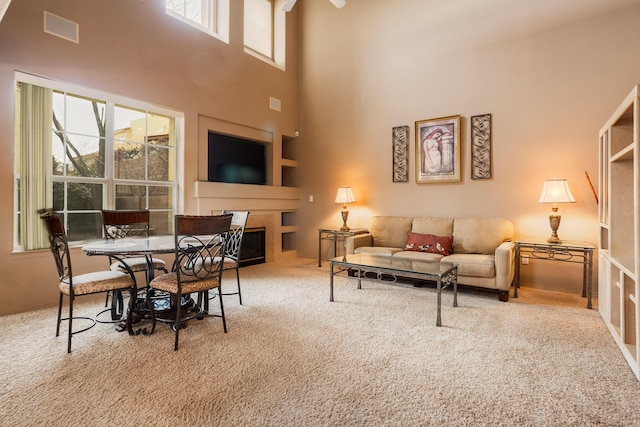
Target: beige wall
[
  {"x": 132, "y": 49},
  {"x": 549, "y": 72}
]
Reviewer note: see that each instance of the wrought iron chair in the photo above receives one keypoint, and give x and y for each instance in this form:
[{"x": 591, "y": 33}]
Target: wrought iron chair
[
  {"x": 119, "y": 224},
  {"x": 200, "y": 244},
  {"x": 83, "y": 284},
  {"x": 232, "y": 252}
]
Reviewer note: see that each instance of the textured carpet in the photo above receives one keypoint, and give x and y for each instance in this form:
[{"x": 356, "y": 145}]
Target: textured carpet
[{"x": 373, "y": 357}]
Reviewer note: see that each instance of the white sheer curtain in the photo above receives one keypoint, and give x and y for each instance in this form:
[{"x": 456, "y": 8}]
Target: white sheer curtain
[{"x": 35, "y": 163}]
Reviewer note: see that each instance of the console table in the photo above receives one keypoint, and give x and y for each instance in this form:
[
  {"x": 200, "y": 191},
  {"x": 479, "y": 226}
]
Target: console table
[
  {"x": 574, "y": 252},
  {"x": 335, "y": 236}
]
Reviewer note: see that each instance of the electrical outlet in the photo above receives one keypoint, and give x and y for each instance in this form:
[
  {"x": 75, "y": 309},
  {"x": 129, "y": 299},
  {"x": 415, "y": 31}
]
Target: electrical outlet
[{"x": 524, "y": 259}]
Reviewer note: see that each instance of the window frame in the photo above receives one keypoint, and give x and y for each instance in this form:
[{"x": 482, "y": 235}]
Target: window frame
[{"x": 109, "y": 181}]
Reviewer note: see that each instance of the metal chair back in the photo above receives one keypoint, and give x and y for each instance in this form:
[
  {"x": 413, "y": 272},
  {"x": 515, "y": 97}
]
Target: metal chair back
[{"x": 119, "y": 224}]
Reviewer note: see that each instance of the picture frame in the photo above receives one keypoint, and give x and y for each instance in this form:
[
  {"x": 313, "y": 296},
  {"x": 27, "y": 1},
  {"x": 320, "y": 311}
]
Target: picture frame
[
  {"x": 400, "y": 148},
  {"x": 481, "y": 156},
  {"x": 438, "y": 150}
]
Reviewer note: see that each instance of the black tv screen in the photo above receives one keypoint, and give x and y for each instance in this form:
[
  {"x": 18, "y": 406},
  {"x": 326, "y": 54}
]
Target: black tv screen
[{"x": 235, "y": 160}]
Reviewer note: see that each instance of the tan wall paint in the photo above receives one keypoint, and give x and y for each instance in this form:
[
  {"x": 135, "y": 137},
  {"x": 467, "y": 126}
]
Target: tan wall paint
[
  {"x": 132, "y": 49},
  {"x": 549, "y": 72}
]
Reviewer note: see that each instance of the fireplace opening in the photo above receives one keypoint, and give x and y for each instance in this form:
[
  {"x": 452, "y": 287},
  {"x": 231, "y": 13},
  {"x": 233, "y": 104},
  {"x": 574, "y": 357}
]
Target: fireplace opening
[{"x": 253, "y": 248}]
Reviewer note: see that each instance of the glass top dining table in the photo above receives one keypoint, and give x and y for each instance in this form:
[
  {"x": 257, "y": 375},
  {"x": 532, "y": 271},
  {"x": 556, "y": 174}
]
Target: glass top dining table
[
  {"x": 126, "y": 247},
  {"x": 131, "y": 246}
]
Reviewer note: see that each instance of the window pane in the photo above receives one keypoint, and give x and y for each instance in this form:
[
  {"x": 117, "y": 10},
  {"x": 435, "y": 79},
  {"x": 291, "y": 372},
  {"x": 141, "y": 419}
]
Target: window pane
[
  {"x": 83, "y": 196},
  {"x": 84, "y": 116},
  {"x": 159, "y": 168},
  {"x": 129, "y": 161},
  {"x": 160, "y": 223},
  {"x": 258, "y": 26},
  {"x": 129, "y": 124},
  {"x": 160, "y": 197},
  {"x": 83, "y": 226},
  {"x": 193, "y": 10},
  {"x": 58, "y": 196},
  {"x": 131, "y": 197},
  {"x": 176, "y": 5},
  {"x": 159, "y": 130},
  {"x": 87, "y": 156},
  {"x": 57, "y": 151}
]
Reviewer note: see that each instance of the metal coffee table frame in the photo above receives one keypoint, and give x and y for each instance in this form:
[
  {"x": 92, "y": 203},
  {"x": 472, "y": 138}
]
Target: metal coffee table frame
[{"x": 375, "y": 268}]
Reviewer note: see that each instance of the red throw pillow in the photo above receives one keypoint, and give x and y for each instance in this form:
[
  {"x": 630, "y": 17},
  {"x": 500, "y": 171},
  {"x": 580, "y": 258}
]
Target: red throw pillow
[{"x": 429, "y": 243}]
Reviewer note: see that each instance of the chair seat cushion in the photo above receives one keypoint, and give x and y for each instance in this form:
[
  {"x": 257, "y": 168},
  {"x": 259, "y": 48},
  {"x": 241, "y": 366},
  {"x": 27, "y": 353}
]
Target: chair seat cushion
[
  {"x": 99, "y": 281},
  {"x": 139, "y": 264},
  {"x": 169, "y": 283}
]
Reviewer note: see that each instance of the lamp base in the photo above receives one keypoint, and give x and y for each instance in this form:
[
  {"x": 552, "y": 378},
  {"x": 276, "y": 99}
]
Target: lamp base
[
  {"x": 554, "y": 222},
  {"x": 345, "y": 215}
]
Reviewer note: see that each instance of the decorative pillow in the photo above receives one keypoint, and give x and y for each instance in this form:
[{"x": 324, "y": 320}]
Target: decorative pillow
[{"x": 429, "y": 243}]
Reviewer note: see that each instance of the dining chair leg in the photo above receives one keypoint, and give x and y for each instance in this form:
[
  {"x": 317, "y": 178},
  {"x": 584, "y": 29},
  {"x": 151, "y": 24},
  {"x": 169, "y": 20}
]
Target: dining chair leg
[
  {"x": 178, "y": 323},
  {"x": 238, "y": 280},
  {"x": 59, "y": 315},
  {"x": 224, "y": 320},
  {"x": 117, "y": 305},
  {"x": 70, "y": 324}
]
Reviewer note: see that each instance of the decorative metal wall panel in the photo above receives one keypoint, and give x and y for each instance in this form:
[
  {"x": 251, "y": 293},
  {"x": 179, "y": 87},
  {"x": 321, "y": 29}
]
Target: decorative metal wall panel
[
  {"x": 401, "y": 154},
  {"x": 481, "y": 146}
]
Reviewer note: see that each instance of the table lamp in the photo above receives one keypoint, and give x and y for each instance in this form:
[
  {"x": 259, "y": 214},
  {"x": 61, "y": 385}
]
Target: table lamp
[
  {"x": 344, "y": 196},
  {"x": 555, "y": 191}
]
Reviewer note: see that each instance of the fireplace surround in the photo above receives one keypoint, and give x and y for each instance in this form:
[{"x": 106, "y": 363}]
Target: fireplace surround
[{"x": 253, "y": 248}]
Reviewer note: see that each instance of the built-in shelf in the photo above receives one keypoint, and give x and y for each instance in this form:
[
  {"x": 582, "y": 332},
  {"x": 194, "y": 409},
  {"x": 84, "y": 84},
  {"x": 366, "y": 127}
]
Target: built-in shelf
[
  {"x": 619, "y": 227},
  {"x": 288, "y": 161}
]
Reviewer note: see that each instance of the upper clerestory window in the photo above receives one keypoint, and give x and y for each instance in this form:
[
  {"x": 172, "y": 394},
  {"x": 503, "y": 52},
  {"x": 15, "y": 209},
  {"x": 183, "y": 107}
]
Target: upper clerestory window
[
  {"x": 264, "y": 31},
  {"x": 210, "y": 16}
]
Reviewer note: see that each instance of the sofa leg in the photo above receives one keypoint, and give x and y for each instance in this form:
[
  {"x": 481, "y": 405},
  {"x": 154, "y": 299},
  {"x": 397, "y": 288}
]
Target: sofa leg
[{"x": 503, "y": 296}]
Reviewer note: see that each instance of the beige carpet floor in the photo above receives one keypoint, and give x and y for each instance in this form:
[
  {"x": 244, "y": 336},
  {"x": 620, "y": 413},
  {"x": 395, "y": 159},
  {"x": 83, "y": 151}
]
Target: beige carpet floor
[{"x": 374, "y": 357}]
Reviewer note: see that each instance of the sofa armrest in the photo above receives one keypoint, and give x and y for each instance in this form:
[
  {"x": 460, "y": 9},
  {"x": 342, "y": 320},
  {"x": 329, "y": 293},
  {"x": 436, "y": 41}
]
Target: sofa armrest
[
  {"x": 353, "y": 242},
  {"x": 505, "y": 265}
]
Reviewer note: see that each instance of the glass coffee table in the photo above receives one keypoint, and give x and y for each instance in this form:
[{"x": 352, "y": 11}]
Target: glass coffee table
[{"x": 388, "y": 270}]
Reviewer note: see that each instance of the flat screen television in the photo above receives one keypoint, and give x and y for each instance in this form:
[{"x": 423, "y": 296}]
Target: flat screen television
[{"x": 235, "y": 160}]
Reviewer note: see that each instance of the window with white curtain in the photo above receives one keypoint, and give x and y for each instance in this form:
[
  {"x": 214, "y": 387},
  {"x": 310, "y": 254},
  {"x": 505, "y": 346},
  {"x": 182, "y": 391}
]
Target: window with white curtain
[
  {"x": 79, "y": 153},
  {"x": 210, "y": 16}
]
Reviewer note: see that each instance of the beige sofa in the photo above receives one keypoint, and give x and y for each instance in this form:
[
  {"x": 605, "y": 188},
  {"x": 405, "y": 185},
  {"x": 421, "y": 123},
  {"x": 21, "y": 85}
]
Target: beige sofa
[{"x": 482, "y": 247}]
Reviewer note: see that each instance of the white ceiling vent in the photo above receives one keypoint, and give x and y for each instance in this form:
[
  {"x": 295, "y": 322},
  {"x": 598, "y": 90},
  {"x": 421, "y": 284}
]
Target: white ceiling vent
[{"x": 61, "y": 27}]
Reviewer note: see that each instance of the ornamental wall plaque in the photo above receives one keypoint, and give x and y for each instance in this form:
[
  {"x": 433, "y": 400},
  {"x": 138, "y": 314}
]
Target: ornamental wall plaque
[
  {"x": 481, "y": 146},
  {"x": 400, "y": 154}
]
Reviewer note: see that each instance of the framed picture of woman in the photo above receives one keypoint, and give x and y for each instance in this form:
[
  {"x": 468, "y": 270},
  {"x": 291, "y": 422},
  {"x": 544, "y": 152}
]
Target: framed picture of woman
[{"x": 438, "y": 150}]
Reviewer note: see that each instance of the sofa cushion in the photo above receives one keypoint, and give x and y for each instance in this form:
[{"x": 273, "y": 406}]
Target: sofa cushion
[
  {"x": 390, "y": 231},
  {"x": 377, "y": 250},
  {"x": 433, "y": 225},
  {"x": 480, "y": 235},
  {"x": 473, "y": 264},
  {"x": 417, "y": 256},
  {"x": 428, "y": 243}
]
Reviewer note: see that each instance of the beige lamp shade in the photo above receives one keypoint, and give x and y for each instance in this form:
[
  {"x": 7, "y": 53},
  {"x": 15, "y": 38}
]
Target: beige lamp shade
[
  {"x": 555, "y": 191},
  {"x": 344, "y": 196}
]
